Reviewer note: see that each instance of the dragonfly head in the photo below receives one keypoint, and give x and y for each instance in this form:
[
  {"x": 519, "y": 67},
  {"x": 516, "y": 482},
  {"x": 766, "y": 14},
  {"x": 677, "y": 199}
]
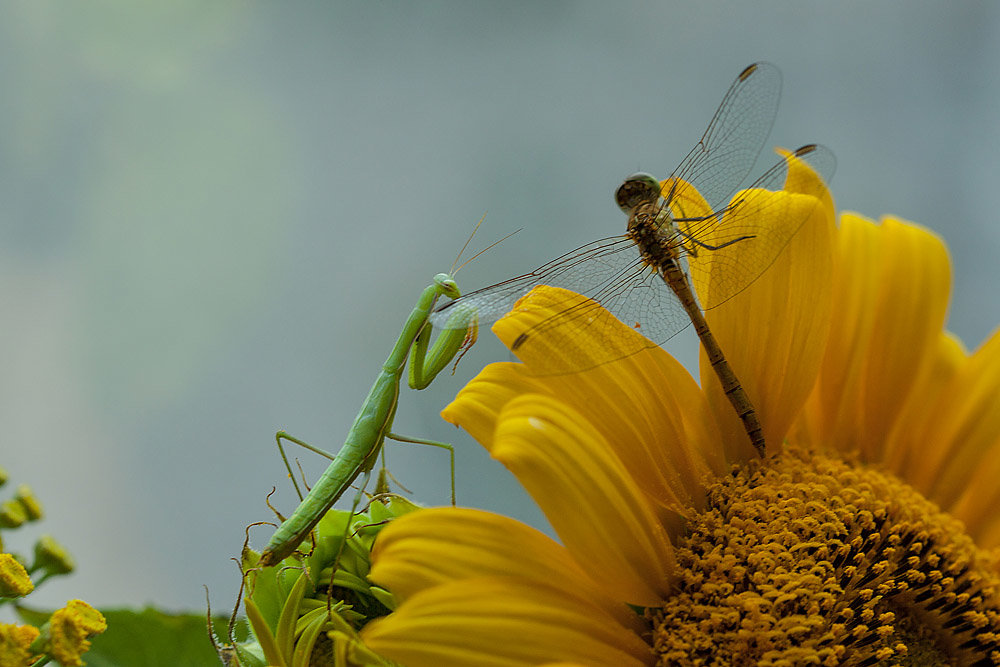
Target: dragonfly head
[
  {"x": 447, "y": 286},
  {"x": 637, "y": 189}
]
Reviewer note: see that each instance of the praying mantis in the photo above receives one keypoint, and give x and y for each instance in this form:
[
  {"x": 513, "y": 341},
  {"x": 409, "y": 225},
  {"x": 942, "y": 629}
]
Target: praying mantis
[{"x": 373, "y": 424}]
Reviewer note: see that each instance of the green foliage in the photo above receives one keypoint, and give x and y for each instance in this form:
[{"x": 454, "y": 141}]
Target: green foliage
[
  {"x": 309, "y": 607},
  {"x": 150, "y": 638}
]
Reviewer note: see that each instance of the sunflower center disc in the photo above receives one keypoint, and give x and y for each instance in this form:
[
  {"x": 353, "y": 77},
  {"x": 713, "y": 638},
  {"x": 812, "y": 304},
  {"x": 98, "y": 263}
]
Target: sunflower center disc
[{"x": 804, "y": 559}]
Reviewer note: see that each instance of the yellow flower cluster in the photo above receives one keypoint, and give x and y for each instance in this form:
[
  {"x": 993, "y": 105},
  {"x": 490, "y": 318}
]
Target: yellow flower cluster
[{"x": 65, "y": 637}]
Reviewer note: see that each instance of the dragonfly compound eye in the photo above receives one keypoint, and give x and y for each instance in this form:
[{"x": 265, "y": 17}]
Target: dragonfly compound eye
[{"x": 637, "y": 189}]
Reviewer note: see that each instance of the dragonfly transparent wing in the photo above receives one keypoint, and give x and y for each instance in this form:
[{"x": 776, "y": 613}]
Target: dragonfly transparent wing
[
  {"x": 723, "y": 158},
  {"x": 612, "y": 275},
  {"x": 715, "y": 168},
  {"x": 745, "y": 241},
  {"x": 588, "y": 269}
]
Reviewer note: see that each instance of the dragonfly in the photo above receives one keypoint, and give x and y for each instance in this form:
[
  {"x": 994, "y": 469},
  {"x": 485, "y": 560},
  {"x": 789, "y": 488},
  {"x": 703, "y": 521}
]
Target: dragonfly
[{"x": 642, "y": 276}]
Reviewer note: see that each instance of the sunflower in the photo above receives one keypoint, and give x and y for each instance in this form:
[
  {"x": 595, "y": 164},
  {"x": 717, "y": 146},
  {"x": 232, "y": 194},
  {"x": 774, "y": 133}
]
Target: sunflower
[{"x": 866, "y": 535}]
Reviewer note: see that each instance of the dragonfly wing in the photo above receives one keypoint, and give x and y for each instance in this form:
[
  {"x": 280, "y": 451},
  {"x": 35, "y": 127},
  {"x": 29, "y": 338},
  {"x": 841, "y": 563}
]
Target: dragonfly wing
[
  {"x": 587, "y": 270},
  {"x": 650, "y": 306},
  {"x": 729, "y": 148},
  {"x": 588, "y": 332},
  {"x": 732, "y": 249},
  {"x": 610, "y": 275},
  {"x": 819, "y": 158}
]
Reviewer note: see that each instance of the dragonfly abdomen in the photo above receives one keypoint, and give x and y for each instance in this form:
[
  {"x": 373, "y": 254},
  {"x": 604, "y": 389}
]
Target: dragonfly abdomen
[
  {"x": 652, "y": 230},
  {"x": 673, "y": 275}
]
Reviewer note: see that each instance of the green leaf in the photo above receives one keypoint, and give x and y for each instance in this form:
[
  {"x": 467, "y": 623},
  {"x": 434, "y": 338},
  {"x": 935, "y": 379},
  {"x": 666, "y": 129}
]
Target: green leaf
[{"x": 152, "y": 638}]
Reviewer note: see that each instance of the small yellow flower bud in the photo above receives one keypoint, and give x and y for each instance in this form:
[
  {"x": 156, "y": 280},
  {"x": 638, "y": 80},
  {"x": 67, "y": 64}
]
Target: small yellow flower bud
[
  {"x": 29, "y": 502},
  {"x": 66, "y": 636},
  {"x": 91, "y": 620},
  {"x": 67, "y": 641},
  {"x": 12, "y": 514},
  {"x": 14, "y": 579},
  {"x": 14, "y": 643},
  {"x": 51, "y": 557}
]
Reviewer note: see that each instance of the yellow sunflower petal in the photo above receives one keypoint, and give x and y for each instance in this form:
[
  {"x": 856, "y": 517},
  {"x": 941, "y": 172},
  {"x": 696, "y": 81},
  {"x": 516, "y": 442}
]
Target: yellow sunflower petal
[
  {"x": 920, "y": 413},
  {"x": 591, "y": 501},
  {"x": 653, "y": 414},
  {"x": 989, "y": 536},
  {"x": 774, "y": 332},
  {"x": 502, "y": 622},
  {"x": 556, "y": 331},
  {"x": 646, "y": 404},
  {"x": 891, "y": 289},
  {"x": 478, "y": 404},
  {"x": 915, "y": 283},
  {"x": 435, "y": 546},
  {"x": 965, "y": 441},
  {"x": 976, "y": 506},
  {"x": 828, "y": 410}
]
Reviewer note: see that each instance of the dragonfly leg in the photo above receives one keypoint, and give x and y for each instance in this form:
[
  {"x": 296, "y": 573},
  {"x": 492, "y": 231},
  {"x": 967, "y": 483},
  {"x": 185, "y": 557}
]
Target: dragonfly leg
[{"x": 712, "y": 247}]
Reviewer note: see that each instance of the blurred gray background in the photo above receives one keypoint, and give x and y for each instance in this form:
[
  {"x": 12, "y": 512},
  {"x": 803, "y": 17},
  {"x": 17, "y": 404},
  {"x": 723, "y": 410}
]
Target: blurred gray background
[{"x": 214, "y": 218}]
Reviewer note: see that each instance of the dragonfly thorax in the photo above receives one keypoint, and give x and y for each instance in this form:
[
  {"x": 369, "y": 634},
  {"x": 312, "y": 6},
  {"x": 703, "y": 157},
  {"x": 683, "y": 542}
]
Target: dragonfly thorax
[
  {"x": 652, "y": 230},
  {"x": 649, "y": 223}
]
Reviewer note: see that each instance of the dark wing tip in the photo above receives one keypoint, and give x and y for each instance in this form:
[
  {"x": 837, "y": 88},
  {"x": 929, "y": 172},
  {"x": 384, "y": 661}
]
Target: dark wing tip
[{"x": 750, "y": 69}]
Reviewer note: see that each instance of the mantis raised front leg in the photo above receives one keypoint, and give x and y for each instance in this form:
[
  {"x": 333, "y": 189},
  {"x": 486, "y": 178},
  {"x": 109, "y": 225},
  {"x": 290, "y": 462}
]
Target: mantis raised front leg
[{"x": 374, "y": 422}]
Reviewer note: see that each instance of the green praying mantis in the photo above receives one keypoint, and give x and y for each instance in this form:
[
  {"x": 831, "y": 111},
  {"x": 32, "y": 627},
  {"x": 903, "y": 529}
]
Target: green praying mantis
[{"x": 374, "y": 422}]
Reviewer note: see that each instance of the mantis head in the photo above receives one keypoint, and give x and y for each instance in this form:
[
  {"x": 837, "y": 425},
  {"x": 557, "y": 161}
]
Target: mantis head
[{"x": 447, "y": 286}]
